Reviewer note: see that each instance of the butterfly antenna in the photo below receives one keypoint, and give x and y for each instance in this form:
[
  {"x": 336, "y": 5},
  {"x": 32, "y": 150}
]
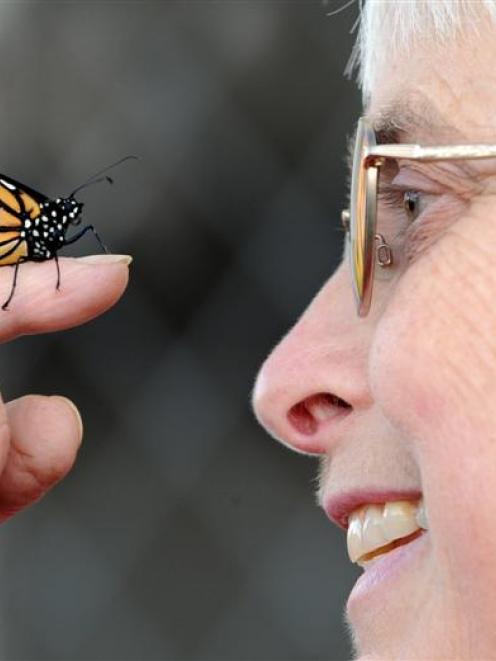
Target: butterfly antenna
[{"x": 97, "y": 177}]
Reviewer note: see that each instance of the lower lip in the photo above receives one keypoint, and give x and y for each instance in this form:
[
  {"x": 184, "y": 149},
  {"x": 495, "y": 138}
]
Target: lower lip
[{"x": 381, "y": 575}]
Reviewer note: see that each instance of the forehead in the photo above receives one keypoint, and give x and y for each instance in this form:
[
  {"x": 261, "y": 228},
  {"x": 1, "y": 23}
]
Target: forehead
[{"x": 444, "y": 93}]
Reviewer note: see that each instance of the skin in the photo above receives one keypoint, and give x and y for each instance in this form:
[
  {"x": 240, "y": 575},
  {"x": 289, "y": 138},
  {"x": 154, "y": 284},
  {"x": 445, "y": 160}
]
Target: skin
[
  {"x": 40, "y": 435},
  {"x": 418, "y": 375}
]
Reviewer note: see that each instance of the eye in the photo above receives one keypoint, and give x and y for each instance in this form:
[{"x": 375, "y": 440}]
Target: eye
[{"x": 412, "y": 203}]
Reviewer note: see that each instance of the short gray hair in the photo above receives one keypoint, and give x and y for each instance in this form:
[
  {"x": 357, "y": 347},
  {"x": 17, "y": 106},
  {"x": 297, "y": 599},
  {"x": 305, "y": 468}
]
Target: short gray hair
[{"x": 386, "y": 26}]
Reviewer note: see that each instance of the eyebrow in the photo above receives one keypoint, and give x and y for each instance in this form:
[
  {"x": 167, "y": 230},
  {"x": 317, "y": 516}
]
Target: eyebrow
[
  {"x": 411, "y": 116},
  {"x": 387, "y": 132},
  {"x": 403, "y": 117},
  {"x": 390, "y": 124}
]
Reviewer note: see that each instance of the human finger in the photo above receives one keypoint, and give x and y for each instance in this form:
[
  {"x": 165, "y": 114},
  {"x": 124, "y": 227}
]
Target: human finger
[
  {"x": 45, "y": 435},
  {"x": 89, "y": 286}
]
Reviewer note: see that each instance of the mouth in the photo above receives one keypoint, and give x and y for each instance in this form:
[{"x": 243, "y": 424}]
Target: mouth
[{"x": 377, "y": 522}]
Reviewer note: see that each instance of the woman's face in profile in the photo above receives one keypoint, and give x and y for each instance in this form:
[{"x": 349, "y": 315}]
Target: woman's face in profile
[{"x": 400, "y": 405}]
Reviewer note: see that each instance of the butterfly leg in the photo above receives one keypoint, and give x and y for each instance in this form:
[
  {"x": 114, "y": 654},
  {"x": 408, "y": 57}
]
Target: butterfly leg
[
  {"x": 14, "y": 282},
  {"x": 88, "y": 228},
  {"x": 56, "y": 258}
]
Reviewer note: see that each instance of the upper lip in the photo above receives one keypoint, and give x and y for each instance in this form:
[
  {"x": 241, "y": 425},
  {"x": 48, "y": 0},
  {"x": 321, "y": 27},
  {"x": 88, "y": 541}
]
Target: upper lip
[{"x": 340, "y": 505}]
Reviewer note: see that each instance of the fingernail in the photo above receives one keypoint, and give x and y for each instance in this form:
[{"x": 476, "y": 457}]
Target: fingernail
[
  {"x": 74, "y": 408},
  {"x": 107, "y": 259}
]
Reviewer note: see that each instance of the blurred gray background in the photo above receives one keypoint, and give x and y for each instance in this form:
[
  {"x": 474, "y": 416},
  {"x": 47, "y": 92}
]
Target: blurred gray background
[{"x": 184, "y": 532}]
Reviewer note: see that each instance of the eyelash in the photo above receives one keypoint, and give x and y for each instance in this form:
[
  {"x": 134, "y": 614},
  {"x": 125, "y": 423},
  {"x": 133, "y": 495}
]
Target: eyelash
[{"x": 396, "y": 197}]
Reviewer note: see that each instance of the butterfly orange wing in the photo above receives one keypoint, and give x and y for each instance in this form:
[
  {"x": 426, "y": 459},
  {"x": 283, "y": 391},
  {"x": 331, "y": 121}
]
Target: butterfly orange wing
[
  {"x": 13, "y": 252},
  {"x": 13, "y": 247}
]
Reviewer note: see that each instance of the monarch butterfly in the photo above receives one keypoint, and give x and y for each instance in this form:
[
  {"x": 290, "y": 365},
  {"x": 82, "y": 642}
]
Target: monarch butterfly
[{"x": 33, "y": 227}]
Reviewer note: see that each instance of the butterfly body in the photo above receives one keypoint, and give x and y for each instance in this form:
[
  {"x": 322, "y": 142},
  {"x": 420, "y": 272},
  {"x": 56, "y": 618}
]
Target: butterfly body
[
  {"x": 33, "y": 227},
  {"x": 45, "y": 234}
]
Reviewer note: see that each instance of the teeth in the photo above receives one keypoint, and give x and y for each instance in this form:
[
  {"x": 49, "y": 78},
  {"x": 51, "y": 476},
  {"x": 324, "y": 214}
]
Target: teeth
[
  {"x": 354, "y": 539},
  {"x": 422, "y": 516},
  {"x": 399, "y": 519},
  {"x": 373, "y": 526}
]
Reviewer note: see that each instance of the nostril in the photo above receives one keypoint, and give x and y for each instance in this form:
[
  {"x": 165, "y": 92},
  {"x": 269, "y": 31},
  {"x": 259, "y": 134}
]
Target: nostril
[
  {"x": 302, "y": 420},
  {"x": 309, "y": 413}
]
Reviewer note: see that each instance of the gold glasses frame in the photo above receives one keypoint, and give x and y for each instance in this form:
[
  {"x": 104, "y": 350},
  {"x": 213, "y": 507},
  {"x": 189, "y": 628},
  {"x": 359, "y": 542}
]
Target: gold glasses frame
[{"x": 360, "y": 220}]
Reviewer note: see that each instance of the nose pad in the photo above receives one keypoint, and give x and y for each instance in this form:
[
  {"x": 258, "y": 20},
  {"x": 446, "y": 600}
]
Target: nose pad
[{"x": 315, "y": 411}]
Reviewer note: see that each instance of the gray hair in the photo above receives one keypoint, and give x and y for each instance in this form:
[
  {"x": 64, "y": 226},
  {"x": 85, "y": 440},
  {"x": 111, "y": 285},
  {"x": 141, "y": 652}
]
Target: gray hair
[{"x": 386, "y": 26}]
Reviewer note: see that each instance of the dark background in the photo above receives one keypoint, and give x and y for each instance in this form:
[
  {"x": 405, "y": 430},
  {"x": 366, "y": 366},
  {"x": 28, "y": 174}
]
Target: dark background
[{"x": 183, "y": 532}]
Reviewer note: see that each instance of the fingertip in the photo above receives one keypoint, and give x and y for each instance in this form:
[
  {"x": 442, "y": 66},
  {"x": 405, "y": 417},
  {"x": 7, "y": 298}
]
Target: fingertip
[
  {"x": 106, "y": 259},
  {"x": 45, "y": 438},
  {"x": 87, "y": 290},
  {"x": 75, "y": 412}
]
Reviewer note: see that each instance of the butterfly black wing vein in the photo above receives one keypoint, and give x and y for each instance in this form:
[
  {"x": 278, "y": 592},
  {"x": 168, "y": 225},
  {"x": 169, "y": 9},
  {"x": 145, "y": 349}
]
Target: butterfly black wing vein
[{"x": 33, "y": 227}]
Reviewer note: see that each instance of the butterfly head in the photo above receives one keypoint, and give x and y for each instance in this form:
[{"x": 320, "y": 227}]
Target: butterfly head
[{"x": 72, "y": 210}]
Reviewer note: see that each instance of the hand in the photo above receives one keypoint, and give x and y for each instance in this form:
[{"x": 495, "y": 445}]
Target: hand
[{"x": 40, "y": 436}]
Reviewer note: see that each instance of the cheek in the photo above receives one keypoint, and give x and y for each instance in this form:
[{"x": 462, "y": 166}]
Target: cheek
[
  {"x": 433, "y": 357},
  {"x": 432, "y": 371}
]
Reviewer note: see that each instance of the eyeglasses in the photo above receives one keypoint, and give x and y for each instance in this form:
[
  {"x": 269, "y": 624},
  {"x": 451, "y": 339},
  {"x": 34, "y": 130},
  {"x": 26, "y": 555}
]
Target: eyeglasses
[{"x": 360, "y": 220}]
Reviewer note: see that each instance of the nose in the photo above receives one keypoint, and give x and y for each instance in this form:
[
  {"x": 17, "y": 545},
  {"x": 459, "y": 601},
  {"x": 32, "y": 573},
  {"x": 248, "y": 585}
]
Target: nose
[{"x": 316, "y": 377}]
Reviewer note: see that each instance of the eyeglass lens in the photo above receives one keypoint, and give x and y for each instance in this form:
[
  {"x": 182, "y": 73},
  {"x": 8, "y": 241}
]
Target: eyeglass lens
[{"x": 363, "y": 215}]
